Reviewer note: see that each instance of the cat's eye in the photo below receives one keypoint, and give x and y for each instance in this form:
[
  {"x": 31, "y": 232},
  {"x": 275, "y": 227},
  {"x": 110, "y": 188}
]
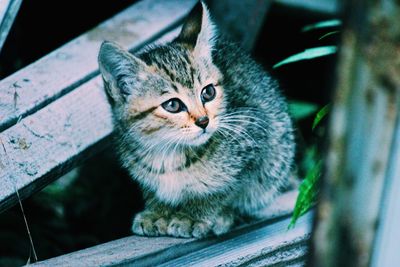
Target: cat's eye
[
  {"x": 208, "y": 93},
  {"x": 173, "y": 105}
]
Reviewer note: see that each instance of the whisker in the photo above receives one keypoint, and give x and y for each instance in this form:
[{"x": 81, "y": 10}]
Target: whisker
[
  {"x": 246, "y": 120},
  {"x": 240, "y": 131}
]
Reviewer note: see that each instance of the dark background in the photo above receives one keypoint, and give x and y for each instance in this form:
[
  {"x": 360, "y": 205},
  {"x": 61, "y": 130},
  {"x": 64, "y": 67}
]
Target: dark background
[{"x": 98, "y": 204}]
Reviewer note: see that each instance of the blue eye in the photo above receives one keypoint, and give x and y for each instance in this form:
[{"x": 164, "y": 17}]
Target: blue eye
[
  {"x": 208, "y": 93},
  {"x": 174, "y": 105}
]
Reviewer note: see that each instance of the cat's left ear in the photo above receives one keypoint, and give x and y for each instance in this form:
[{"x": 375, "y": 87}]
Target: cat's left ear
[
  {"x": 199, "y": 31},
  {"x": 119, "y": 70}
]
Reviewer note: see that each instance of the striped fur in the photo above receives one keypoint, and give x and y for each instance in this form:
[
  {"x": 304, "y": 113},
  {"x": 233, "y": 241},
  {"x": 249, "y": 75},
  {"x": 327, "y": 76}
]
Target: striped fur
[{"x": 197, "y": 182}]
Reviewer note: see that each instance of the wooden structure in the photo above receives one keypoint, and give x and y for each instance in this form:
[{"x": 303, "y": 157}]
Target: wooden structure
[
  {"x": 8, "y": 12},
  {"x": 359, "y": 205},
  {"x": 54, "y": 114}
]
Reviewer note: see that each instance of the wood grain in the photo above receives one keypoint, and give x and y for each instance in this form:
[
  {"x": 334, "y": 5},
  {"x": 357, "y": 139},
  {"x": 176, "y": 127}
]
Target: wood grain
[
  {"x": 70, "y": 117},
  {"x": 265, "y": 242},
  {"x": 61, "y": 71}
]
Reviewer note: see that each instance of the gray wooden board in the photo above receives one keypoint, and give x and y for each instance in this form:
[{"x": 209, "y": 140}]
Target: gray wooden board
[
  {"x": 8, "y": 12},
  {"x": 40, "y": 145},
  {"x": 56, "y": 74},
  {"x": 49, "y": 142},
  {"x": 386, "y": 244},
  {"x": 330, "y": 7},
  {"x": 267, "y": 245},
  {"x": 240, "y": 20},
  {"x": 267, "y": 241}
]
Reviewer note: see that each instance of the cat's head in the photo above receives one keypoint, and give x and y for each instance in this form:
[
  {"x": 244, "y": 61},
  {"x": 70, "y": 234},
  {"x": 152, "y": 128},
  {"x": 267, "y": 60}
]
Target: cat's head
[{"x": 170, "y": 93}]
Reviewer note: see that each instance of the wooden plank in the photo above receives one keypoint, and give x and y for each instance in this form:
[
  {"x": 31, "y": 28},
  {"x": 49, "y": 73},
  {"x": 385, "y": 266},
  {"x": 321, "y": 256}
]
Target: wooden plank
[
  {"x": 38, "y": 148},
  {"x": 56, "y": 74},
  {"x": 8, "y": 12},
  {"x": 51, "y": 141},
  {"x": 362, "y": 133},
  {"x": 240, "y": 20},
  {"x": 267, "y": 245},
  {"x": 40, "y": 145},
  {"x": 330, "y": 7},
  {"x": 268, "y": 241},
  {"x": 386, "y": 246}
]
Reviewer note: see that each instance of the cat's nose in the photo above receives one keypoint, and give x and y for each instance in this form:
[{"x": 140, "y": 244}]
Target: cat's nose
[{"x": 202, "y": 122}]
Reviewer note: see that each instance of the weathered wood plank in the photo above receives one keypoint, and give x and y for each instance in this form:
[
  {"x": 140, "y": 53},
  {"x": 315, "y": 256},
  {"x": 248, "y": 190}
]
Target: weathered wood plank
[
  {"x": 266, "y": 245},
  {"x": 40, "y": 145},
  {"x": 8, "y": 12},
  {"x": 386, "y": 246},
  {"x": 241, "y": 20},
  {"x": 268, "y": 241},
  {"x": 362, "y": 133},
  {"x": 330, "y": 7},
  {"x": 56, "y": 74},
  {"x": 48, "y": 143}
]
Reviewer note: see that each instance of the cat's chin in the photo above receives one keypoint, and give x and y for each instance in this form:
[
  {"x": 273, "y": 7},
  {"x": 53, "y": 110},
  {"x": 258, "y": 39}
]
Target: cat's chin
[{"x": 200, "y": 139}]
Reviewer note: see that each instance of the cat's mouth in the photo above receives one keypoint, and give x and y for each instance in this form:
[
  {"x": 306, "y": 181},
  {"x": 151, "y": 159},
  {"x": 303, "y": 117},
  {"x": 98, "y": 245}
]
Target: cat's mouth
[{"x": 201, "y": 138}]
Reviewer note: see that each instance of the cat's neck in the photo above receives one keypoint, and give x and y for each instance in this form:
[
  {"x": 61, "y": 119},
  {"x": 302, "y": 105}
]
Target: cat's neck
[{"x": 160, "y": 160}]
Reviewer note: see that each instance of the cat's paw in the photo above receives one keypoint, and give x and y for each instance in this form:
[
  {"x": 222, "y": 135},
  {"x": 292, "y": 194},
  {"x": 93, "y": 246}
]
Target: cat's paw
[
  {"x": 179, "y": 225},
  {"x": 183, "y": 226},
  {"x": 150, "y": 223}
]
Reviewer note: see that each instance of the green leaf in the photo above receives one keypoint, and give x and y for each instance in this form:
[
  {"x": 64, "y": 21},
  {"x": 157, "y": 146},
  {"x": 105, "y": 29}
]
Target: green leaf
[
  {"x": 308, "y": 54},
  {"x": 308, "y": 192},
  {"x": 328, "y": 34},
  {"x": 310, "y": 158},
  {"x": 300, "y": 110},
  {"x": 322, "y": 24},
  {"x": 320, "y": 115}
]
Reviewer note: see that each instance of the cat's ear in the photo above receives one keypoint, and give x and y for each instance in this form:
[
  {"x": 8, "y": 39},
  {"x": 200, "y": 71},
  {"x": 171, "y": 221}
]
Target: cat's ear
[
  {"x": 119, "y": 69},
  {"x": 198, "y": 31}
]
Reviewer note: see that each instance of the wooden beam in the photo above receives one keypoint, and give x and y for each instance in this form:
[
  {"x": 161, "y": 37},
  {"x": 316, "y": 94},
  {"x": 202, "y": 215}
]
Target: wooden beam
[
  {"x": 38, "y": 148},
  {"x": 61, "y": 71},
  {"x": 362, "y": 133},
  {"x": 265, "y": 243},
  {"x": 329, "y": 7},
  {"x": 386, "y": 245},
  {"x": 8, "y": 11},
  {"x": 240, "y": 20},
  {"x": 45, "y": 145}
]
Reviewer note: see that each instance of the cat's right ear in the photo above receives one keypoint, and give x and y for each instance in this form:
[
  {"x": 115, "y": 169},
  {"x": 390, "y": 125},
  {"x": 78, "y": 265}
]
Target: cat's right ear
[
  {"x": 119, "y": 69},
  {"x": 198, "y": 31}
]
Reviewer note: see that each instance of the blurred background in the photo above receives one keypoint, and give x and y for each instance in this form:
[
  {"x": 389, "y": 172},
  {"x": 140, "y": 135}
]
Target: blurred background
[{"x": 96, "y": 202}]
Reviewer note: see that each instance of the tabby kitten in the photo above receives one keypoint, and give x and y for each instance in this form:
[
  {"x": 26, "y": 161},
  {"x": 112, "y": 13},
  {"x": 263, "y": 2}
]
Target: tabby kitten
[{"x": 201, "y": 127}]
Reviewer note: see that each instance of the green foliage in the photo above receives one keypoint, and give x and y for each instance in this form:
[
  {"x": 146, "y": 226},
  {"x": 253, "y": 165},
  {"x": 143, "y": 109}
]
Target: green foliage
[
  {"x": 315, "y": 52},
  {"x": 309, "y": 53},
  {"x": 308, "y": 191},
  {"x": 301, "y": 110},
  {"x": 320, "y": 115},
  {"x": 321, "y": 25},
  {"x": 328, "y": 34},
  {"x": 311, "y": 162}
]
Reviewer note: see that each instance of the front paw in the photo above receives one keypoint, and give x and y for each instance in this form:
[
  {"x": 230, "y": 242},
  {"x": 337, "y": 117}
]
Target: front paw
[
  {"x": 180, "y": 225},
  {"x": 150, "y": 223}
]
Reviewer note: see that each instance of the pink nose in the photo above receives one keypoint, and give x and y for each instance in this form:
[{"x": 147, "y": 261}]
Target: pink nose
[{"x": 202, "y": 122}]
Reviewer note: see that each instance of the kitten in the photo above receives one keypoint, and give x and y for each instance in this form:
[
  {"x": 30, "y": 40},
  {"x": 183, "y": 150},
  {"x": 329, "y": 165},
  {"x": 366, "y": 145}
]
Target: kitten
[{"x": 201, "y": 127}]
